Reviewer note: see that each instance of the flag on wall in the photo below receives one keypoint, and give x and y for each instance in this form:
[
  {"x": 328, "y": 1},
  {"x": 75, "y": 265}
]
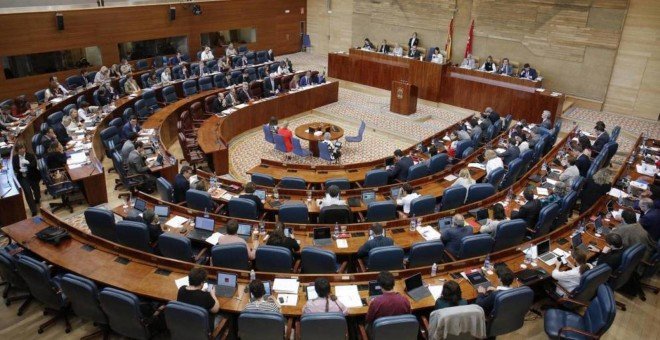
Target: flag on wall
[
  {"x": 450, "y": 34},
  {"x": 468, "y": 46}
]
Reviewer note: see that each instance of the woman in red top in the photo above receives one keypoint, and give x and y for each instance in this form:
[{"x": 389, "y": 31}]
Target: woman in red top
[{"x": 287, "y": 135}]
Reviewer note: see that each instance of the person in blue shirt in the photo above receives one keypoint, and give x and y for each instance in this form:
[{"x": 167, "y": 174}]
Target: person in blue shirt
[
  {"x": 306, "y": 80},
  {"x": 130, "y": 126},
  {"x": 378, "y": 240},
  {"x": 182, "y": 183},
  {"x": 452, "y": 236}
]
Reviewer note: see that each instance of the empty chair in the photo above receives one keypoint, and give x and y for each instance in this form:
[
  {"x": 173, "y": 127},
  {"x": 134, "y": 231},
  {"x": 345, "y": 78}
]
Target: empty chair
[
  {"x": 438, "y": 163},
  {"x": 116, "y": 122},
  {"x": 234, "y": 256},
  {"x": 473, "y": 246},
  {"x": 149, "y": 97},
  {"x": 395, "y": 327},
  {"x": 335, "y": 214},
  {"x": 101, "y": 222},
  {"x": 453, "y": 198},
  {"x": 509, "y": 309},
  {"x": 84, "y": 298},
  {"x": 40, "y": 96},
  {"x": 526, "y": 158},
  {"x": 341, "y": 183},
  {"x": 293, "y": 212},
  {"x": 133, "y": 235},
  {"x": 379, "y": 211},
  {"x": 268, "y": 135},
  {"x": 425, "y": 254},
  {"x": 611, "y": 148},
  {"x": 61, "y": 188},
  {"x": 273, "y": 259},
  {"x": 262, "y": 179},
  {"x": 205, "y": 83},
  {"x": 358, "y": 138},
  {"x": 509, "y": 233},
  {"x": 495, "y": 177},
  {"x": 168, "y": 94},
  {"x": 566, "y": 208},
  {"x": 422, "y": 205},
  {"x": 546, "y": 219},
  {"x": 44, "y": 289},
  {"x": 141, "y": 64},
  {"x": 260, "y": 325},
  {"x": 467, "y": 152},
  {"x": 298, "y": 150},
  {"x": 190, "y": 322},
  {"x": 479, "y": 191},
  {"x": 593, "y": 323},
  {"x": 144, "y": 80},
  {"x": 319, "y": 261},
  {"x": 165, "y": 190},
  {"x": 383, "y": 258},
  {"x": 242, "y": 208},
  {"x": 141, "y": 110},
  {"x": 189, "y": 87},
  {"x": 461, "y": 147},
  {"x": 375, "y": 178},
  {"x": 293, "y": 183},
  {"x": 67, "y": 109},
  {"x": 630, "y": 259},
  {"x": 615, "y": 133},
  {"x": 200, "y": 200},
  {"x": 323, "y": 326},
  {"x": 75, "y": 81},
  {"x": 179, "y": 248},
  {"x": 416, "y": 171},
  {"x": 13, "y": 281},
  {"x": 124, "y": 314}
]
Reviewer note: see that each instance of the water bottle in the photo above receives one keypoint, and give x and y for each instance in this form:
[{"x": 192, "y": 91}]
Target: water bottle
[
  {"x": 413, "y": 223},
  {"x": 581, "y": 227},
  {"x": 487, "y": 263},
  {"x": 419, "y": 221},
  {"x": 214, "y": 182},
  {"x": 545, "y": 166},
  {"x": 253, "y": 275},
  {"x": 276, "y": 195},
  {"x": 528, "y": 254},
  {"x": 620, "y": 199},
  {"x": 371, "y": 234},
  {"x": 434, "y": 269},
  {"x": 206, "y": 213},
  {"x": 336, "y": 230},
  {"x": 262, "y": 227}
]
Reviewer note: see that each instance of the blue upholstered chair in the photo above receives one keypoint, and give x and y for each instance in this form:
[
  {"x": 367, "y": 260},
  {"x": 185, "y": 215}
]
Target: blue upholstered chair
[
  {"x": 358, "y": 138},
  {"x": 416, "y": 171},
  {"x": 509, "y": 233},
  {"x": 189, "y": 87},
  {"x": 273, "y": 259},
  {"x": 84, "y": 298},
  {"x": 586, "y": 289},
  {"x": 473, "y": 246},
  {"x": 149, "y": 97},
  {"x": 13, "y": 281},
  {"x": 425, "y": 254},
  {"x": 260, "y": 325},
  {"x": 438, "y": 163},
  {"x": 453, "y": 197},
  {"x": 133, "y": 235},
  {"x": 279, "y": 143},
  {"x": 242, "y": 208},
  {"x": 511, "y": 175},
  {"x": 495, "y": 177},
  {"x": 179, "y": 248},
  {"x": 509, "y": 309},
  {"x": 165, "y": 189},
  {"x": 566, "y": 208},
  {"x": 200, "y": 200},
  {"x": 262, "y": 179},
  {"x": 479, "y": 191},
  {"x": 323, "y": 326},
  {"x": 124, "y": 314},
  {"x": 383, "y": 258},
  {"x": 101, "y": 222},
  {"x": 375, "y": 178},
  {"x": 461, "y": 147},
  {"x": 292, "y": 183},
  {"x": 630, "y": 260},
  {"x": 546, "y": 220},
  {"x": 268, "y": 135},
  {"x": 40, "y": 96},
  {"x": 422, "y": 205},
  {"x": 141, "y": 64},
  {"x": 395, "y": 327},
  {"x": 319, "y": 261},
  {"x": 298, "y": 149},
  {"x": 233, "y": 256},
  {"x": 293, "y": 212},
  {"x": 205, "y": 83},
  {"x": 341, "y": 183},
  {"x": 62, "y": 188},
  {"x": 190, "y": 322},
  {"x": 379, "y": 211}
]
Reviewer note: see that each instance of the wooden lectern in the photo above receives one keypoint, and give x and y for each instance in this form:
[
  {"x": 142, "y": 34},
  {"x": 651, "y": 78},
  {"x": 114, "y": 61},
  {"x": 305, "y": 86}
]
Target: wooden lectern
[{"x": 403, "y": 99}]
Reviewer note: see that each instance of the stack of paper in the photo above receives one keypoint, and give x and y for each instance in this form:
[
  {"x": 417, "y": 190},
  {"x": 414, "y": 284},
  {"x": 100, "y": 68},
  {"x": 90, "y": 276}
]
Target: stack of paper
[
  {"x": 76, "y": 158},
  {"x": 311, "y": 293},
  {"x": 477, "y": 165},
  {"x": 640, "y": 185},
  {"x": 551, "y": 181},
  {"x": 450, "y": 178},
  {"x": 542, "y": 191},
  {"x": 499, "y": 150},
  {"x": 214, "y": 238},
  {"x": 614, "y": 192},
  {"x": 348, "y": 295},
  {"x": 176, "y": 222},
  {"x": 184, "y": 282},
  {"x": 286, "y": 286},
  {"x": 646, "y": 169},
  {"x": 428, "y": 233},
  {"x": 436, "y": 291},
  {"x": 342, "y": 243}
]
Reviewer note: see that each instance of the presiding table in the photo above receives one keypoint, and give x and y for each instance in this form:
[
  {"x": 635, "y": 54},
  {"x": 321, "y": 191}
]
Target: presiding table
[{"x": 303, "y": 132}]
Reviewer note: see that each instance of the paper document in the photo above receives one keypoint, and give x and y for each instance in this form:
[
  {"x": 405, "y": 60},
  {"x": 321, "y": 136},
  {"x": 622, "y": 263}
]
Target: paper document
[
  {"x": 311, "y": 293},
  {"x": 428, "y": 233},
  {"x": 477, "y": 165},
  {"x": 76, "y": 158},
  {"x": 646, "y": 169},
  {"x": 500, "y": 150},
  {"x": 450, "y": 178},
  {"x": 542, "y": 191},
  {"x": 176, "y": 222},
  {"x": 348, "y": 295},
  {"x": 446, "y": 138},
  {"x": 436, "y": 291},
  {"x": 614, "y": 192},
  {"x": 342, "y": 243},
  {"x": 214, "y": 238},
  {"x": 184, "y": 282},
  {"x": 286, "y": 286},
  {"x": 288, "y": 299},
  {"x": 639, "y": 185},
  {"x": 551, "y": 181}
]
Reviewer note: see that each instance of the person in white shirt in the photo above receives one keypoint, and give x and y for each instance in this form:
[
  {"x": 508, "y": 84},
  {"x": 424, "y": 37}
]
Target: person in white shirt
[
  {"x": 437, "y": 57},
  {"x": 282, "y": 68},
  {"x": 102, "y": 76},
  {"x": 569, "y": 279},
  {"x": 66, "y": 121},
  {"x": 407, "y": 199},
  {"x": 125, "y": 67},
  {"x": 331, "y": 197},
  {"x": 464, "y": 179},
  {"x": 166, "y": 76},
  {"x": 571, "y": 173},
  {"x": 523, "y": 145},
  {"x": 207, "y": 54},
  {"x": 398, "y": 50},
  {"x": 489, "y": 65},
  {"x": 469, "y": 62},
  {"x": 492, "y": 161},
  {"x": 334, "y": 152},
  {"x": 83, "y": 112},
  {"x": 499, "y": 216},
  {"x": 230, "y": 51}
]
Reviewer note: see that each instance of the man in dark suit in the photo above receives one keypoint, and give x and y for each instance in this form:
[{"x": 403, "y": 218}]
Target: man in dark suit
[
  {"x": 138, "y": 166},
  {"x": 249, "y": 194},
  {"x": 512, "y": 152},
  {"x": 528, "y": 72},
  {"x": 613, "y": 252},
  {"x": 413, "y": 41},
  {"x": 61, "y": 133},
  {"x": 182, "y": 183},
  {"x": 400, "y": 168},
  {"x": 451, "y": 237},
  {"x": 384, "y": 47},
  {"x": 602, "y": 139},
  {"x": 492, "y": 115},
  {"x": 529, "y": 211},
  {"x": 486, "y": 297},
  {"x": 414, "y": 53},
  {"x": 153, "y": 225},
  {"x": 49, "y": 138},
  {"x": 231, "y": 98},
  {"x": 583, "y": 162},
  {"x": 25, "y": 169},
  {"x": 306, "y": 80},
  {"x": 378, "y": 240},
  {"x": 130, "y": 127},
  {"x": 244, "y": 93},
  {"x": 270, "y": 55},
  {"x": 219, "y": 103},
  {"x": 270, "y": 86}
]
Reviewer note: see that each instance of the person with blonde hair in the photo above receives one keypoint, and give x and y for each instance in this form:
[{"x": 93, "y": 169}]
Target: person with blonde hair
[
  {"x": 464, "y": 178},
  {"x": 492, "y": 161},
  {"x": 595, "y": 187}
]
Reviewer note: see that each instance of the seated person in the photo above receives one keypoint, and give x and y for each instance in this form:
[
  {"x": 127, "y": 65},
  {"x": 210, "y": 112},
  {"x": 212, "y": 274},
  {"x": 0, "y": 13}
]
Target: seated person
[
  {"x": 131, "y": 86},
  {"x": 153, "y": 223},
  {"x": 105, "y": 94},
  {"x": 332, "y": 148},
  {"x": 207, "y": 54},
  {"x": 452, "y": 236},
  {"x": 137, "y": 166},
  {"x": 486, "y": 297},
  {"x": 85, "y": 111},
  {"x": 231, "y": 98},
  {"x": 557, "y": 193},
  {"x": 571, "y": 173},
  {"x": 612, "y": 253},
  {"x": 650, "y": 216},
  {"x": 125, "y": 67},
  {"x": 492, "y": 161},
  {"x": 283, "y": 68},
  {"x": 287, "y": 135},
  {"x": 231, "y": 237},
  {"x": 546, "y": 123},
  {"x": 182, "y": 183},
  {"x": 512, "y": 152},
  {"x": 49, "y": 138},
  {"x": 569, "y": 279},
  {"x": 491, "y": 114},
  {"x": 194, "y": 294},
  {"x": 528, "y": 72},
  {"x": 410, "y": 195},
  {"x": 469, "y": 62},
  {"x": 437, "y": 57},
  {"x": 219, "y": 103},
  {"x": 414, "y": 53},
  {"x": 245, "y": 76},
  {"x": 594, "y": 188},
  {"x": 378, "y": 240},
  {"x": 499, "y": 216},
  {"x": 278, "y": 238},
  {"x": 166, "y": 75},
  {"x": 128, "y": 146},
  {"x": 460, "y": 135},
  {"x": 231, "y": 51},
  {"x": 271, "y": 87},
  {"x": 390, "y": 303},
  {"x": 505, "y": 68},
  {"x": 130, "y": 127},
  {"x": 399, "y": 170},
  {"x": 325, "y": 302},
  {"x": 530, "y": 210},
  {"x": 69, "y": 125},
  {"x": 245, "y": 94},
  {"x": 368, "y": 45},
  {"x": 398, "y": 50},
  {"x": 489, "y": 65},
  {"x": 582, "y": 160},
  {"x": 331, "y": 197},
  {"x": 464, "y": 179},
  {"x": 306, "y": 80},
  {"x": 384, "y": 47},
  {"x": 476, "y": 129},
  {"x": 152, "y": 80},
  {"x": 632, "y": 233},
  {"x": 56, "y": 158},
  {"x": 250, "y": 188},
  {"x": 451, "y": 296},
  {"x": 602, "y": 137},
  {"x": 259, "y": 302}
]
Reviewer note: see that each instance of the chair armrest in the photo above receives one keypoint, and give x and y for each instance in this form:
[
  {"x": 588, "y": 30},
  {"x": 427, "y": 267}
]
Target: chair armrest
[
  {"x": 201, "y": 254},
  {"x": 289, "y": 327},
  {"x": 361, "y": 216},
  {"x": 218, "y": 328},
  {"x": 358, "y": 184},
  {"x": 297, "y": 329},
  {"x": 424, "y": 327},
  {"x": 565, "y": 299},
  {"x": 401, "y": 214},
  {"x": 361, "y": 267},
  {"x": 183, "y": 204},
  {"x": 363, "y": 332},
  {"x": 531, "y": 230},
  {"x": 578, "y": 331},
  {"x": 451, "y": 257},
  {"x": 342, "y": 267},
  {"x": 296, "y": 266}
]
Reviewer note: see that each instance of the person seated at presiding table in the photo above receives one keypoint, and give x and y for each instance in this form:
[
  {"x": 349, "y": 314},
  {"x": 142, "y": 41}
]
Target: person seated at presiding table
[
  {"x": 453, "y": 235},
  {"x": 650, "y": 219},
  {"x": 131, "y": 86},
  {"x": 390, "y": 303},
  {"x": 131, "y": 126},
  {"x": 194, "y": 294},
  {"x": 499, "y": 216},
  {"x": 528, "y": 72},
  {"x": 464, "y": 179},
  {"x": 410, "y": 195},
  {"x": 437, "y": 57},
  {"x": 259, "y": 302},
  {"x": 530, "y": 210},
  {"x": 137, "y": 166},
  {"x": 512, "y": 152},
  {"x": 384, "y": 47},
  {"x": 249, "y": 190},
  {"x": 332, "y": 148},
  {"x": 325, "y": 302},
  {"x": 287, "y": 135},
  {"x": 56, "y": 158},
  {"x": 505, "y": 68},
  {"x": 398, "y": 50},
  {"x": 219, "y": 103},
  {"x": 294, "y": 84},
  {"x": 368, "y": 45},
  {"x": 469, "y": 62},
  {"x": 306, "y": 80},
  {"x": 595, "y": 187},
  {"x": 230, "y": 51},
  {"x": 414, "y": 53},
  {"x": 569, "y": 279},
  {"x": 486, "y": 297},
  {"x": 489, "y": 65},
  {"x": 451, "y": 296},
  {"x": 244, "y": 93},
  {"x": 182, "y": 183},
  {"x": 231, "y": 237},
  {"x": 492, "y": 161},
  {"x": 277, "y": 237},
  {"x": 331, "y": 197},
  {"x": 271, "y": 87},
  {"x": 399, "y": 170},
  {"x": 378, "y": 239},
  {"x": 231, "y": 99}
]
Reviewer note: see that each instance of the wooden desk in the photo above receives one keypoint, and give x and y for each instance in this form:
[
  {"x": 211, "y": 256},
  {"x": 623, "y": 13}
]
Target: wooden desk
[{"x": 302, "y": 132}]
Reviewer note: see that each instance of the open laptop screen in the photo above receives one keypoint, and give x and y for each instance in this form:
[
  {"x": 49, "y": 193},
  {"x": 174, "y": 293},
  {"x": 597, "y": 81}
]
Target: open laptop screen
[
  {"x": 226, "y": 279},
  {"x": 204, "y": 223},
  {"x": 244, "y": 229},
  {"x": 140, "y": 205},
  {"x": 261, "y": 194},
  {"x": 576, "y": 240},
  {"x": 414, "y": 282},
  {"x": 162, "y": 210},
  {"x": 375, "y": 289},
  {"x": 321, "y": 233},
  {"x": 543, "y": 247}
]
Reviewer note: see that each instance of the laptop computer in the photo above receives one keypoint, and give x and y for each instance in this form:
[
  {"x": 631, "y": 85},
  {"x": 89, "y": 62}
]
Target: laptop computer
[
  {"x": 140, "y": 205},
  {"x": 368, "y": 196},
  {"x": 478, "y": 279},
  {"x": 576, "y": 241},
  {"x": 203, "y": 228},
  {"x": 354, "y": 202},
  {"x": 389, "y": 161},
  {"x": 544, "y": 254},
  {"x": 226, "y": 286},
  {"x": 444, "y": 223},
  {"x": 322, "y": 236},
  {"x": 374, "y": 290},
  {"x": 481, "y": 215},
  {"x": 415, "y": 287},
  {"x": 162, "y": 210},
  {"x": 600, "y": 228},
  {"x": 244, "y": 231},
  {"x": 395, "y": 192},
  {"x": 261, "y": 194}
]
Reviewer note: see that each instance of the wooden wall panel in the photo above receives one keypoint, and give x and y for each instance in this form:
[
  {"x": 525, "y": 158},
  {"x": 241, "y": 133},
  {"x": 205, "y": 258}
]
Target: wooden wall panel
[{"x": 25, "y": 33}]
